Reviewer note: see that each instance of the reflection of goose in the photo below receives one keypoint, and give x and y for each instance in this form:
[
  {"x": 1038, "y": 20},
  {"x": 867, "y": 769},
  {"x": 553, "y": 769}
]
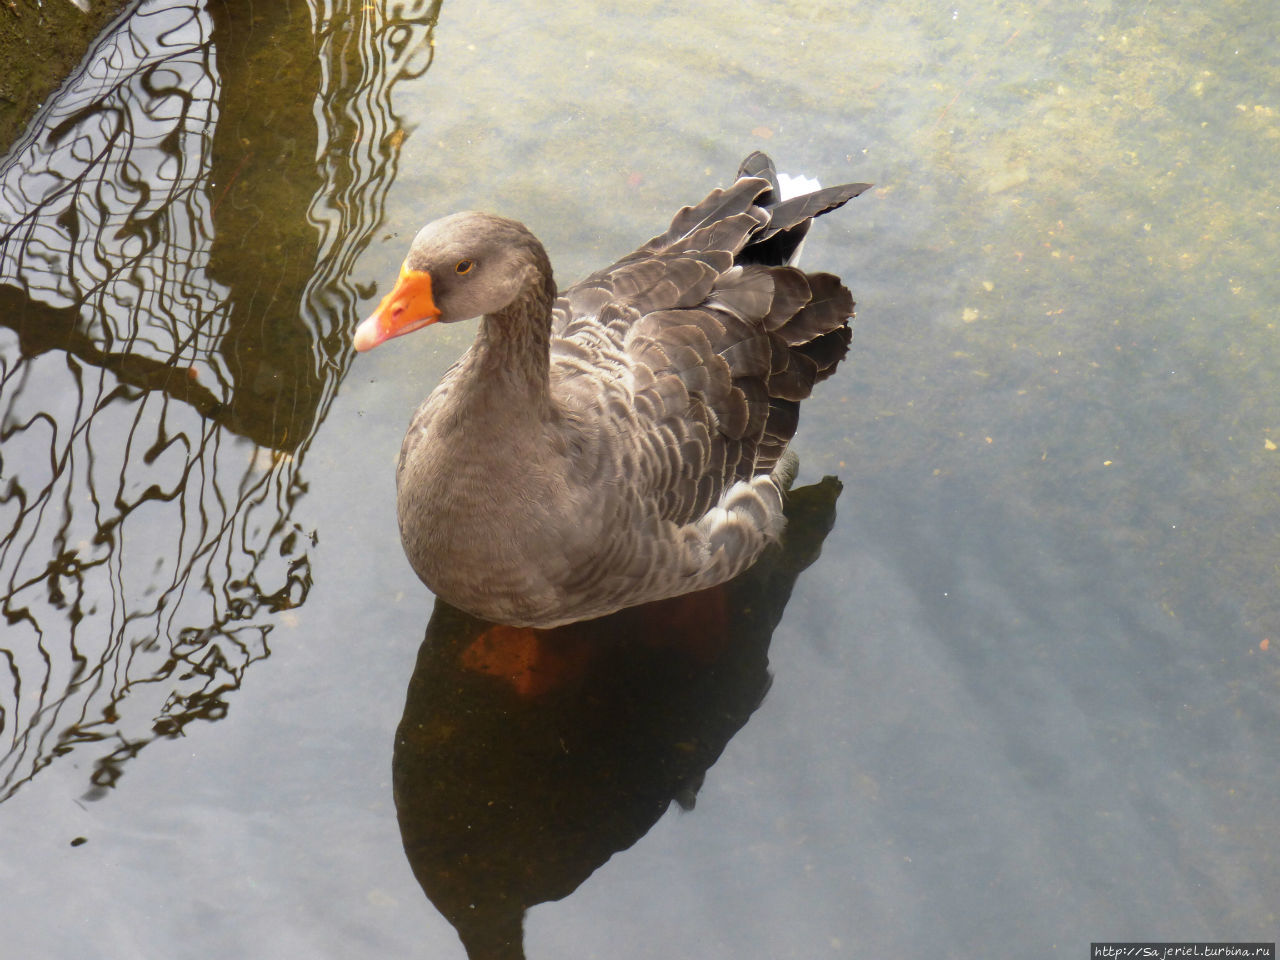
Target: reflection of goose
[
  {"x": 623, "y": 441},
  {"x": 526, "y": 759}
]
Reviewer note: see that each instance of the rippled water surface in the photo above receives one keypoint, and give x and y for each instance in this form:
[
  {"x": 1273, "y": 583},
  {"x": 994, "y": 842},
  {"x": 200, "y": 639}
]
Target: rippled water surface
[{"x": 1010, "y": 686}]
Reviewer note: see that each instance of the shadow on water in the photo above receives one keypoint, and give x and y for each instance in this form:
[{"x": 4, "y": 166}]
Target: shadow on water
[
  {"x": 177, "y": 225},
  {"x": 526, "y": 759}
]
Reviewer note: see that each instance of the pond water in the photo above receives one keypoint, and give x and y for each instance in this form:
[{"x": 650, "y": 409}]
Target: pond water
[{"x": 1013, "y": 688}]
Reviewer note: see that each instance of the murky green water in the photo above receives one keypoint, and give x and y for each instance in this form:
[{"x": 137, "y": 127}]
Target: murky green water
[{"x": 1025, "y": 699}]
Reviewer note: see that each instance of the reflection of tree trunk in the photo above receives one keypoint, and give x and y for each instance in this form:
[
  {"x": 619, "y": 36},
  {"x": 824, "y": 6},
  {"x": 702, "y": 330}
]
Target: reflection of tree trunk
[
  {"x": 168, "y": 234},
  {"x": 263, "y": 180}
]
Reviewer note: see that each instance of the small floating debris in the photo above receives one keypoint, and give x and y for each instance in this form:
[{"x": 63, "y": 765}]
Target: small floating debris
[{"x": 1008, "y": 179}]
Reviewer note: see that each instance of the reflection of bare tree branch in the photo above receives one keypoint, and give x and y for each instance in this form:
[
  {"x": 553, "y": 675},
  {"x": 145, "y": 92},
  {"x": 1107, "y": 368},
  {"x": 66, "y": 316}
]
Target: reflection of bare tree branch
[
  {"x": 45, "y": 329},
  {"x": 162, "y": 304},
  {"x": 39, "y": 46}
]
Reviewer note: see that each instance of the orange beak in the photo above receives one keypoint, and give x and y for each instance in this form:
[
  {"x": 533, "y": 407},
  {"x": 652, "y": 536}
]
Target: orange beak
[{"x": 408, "y": 307}]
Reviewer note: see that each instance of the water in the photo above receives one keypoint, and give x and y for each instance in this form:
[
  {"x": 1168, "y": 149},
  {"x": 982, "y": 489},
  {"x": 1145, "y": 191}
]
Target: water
[{"x": 1024, "y": 699}]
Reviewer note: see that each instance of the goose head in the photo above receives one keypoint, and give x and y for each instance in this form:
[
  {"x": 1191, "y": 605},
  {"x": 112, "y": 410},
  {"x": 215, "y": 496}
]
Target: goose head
[{"x": 462, "y": 266}]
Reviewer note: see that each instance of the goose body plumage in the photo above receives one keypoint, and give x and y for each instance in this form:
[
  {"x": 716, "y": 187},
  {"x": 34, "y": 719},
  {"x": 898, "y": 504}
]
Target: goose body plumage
[{"x": 622, "y": 440}]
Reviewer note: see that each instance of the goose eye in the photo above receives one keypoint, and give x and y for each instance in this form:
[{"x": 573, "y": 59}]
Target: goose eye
[{"x": 464, "y": 266}]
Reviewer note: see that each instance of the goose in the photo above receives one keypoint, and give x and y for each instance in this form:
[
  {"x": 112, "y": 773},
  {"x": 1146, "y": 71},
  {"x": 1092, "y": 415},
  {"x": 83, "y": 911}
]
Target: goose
[{"x": 623, "y": 440}]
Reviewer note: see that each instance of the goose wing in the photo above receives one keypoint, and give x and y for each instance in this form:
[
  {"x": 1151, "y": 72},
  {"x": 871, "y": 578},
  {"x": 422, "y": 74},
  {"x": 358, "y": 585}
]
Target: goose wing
[{"x": 680, "y": 368}]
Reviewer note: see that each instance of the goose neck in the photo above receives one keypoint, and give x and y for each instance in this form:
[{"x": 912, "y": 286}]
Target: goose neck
[{"x": 512, "y": 348}]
